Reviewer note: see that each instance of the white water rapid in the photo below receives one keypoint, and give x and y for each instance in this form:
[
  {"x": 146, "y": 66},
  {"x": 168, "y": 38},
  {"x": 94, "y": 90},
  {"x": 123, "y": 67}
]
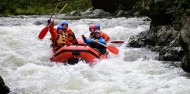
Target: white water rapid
[{"x": 26, "y": 69}]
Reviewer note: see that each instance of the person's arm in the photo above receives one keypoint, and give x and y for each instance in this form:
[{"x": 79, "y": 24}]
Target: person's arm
[
  {"x": 52, "y": 31},
  {"x": 88, "y": 41},
  {"x": 101, "y": 40}
]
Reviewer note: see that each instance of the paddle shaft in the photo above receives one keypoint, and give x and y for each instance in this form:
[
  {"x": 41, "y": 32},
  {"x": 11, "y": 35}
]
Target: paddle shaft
[
  {"x": 45, "y": 30},
  {"x": 61, "y": 9},
  {"x": 117, "y": 41},
  {"x": 55, "y": 8},
  {"x": 56, "y": 16},
  {"x": 54, "y": 12}
]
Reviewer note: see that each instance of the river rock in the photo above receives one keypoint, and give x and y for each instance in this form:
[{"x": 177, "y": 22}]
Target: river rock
[
  {"x": 87, "y": 12},
  {"x": 74, "y": 13},
  {"x": 163, "y": 39},
  {"x": 100, "y": 13},
  {"x": 3, "y": 88},
  {"x": 185, "y": 43},
  {"x": 142, "y": 40},
  {"x": 170, "y": 53},
  {"x": 40, "y": 22}
]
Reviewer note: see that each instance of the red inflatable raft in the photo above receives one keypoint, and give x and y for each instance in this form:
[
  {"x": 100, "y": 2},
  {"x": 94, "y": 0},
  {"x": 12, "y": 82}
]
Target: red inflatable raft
[{"x": 73, "y": 53}]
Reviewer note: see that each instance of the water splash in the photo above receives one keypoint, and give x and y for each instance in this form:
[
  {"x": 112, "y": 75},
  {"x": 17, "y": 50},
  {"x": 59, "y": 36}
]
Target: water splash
[{"x": 25, "y": 66}]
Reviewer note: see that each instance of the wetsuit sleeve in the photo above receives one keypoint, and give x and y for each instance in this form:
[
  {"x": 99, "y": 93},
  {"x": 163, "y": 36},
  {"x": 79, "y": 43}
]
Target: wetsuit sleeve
[
  {"x": 101, "y": 40},
  {"x": 52, "y": 31},
  {"x": 105, "y": 36},
  {"x": 88, "y": 41}
]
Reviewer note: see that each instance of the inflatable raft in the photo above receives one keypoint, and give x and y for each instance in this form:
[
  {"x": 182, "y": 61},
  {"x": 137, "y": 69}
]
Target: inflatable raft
[{"x": 74, "y": 53}]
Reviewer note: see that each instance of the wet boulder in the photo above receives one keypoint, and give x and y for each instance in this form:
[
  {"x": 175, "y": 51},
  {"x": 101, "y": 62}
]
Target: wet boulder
[
  {"x": 185, "y": 43},
  {"x": 87, "y": 12},
  {"x": 39, "y": 22},
  {"x": 74, "y": 13},
  {"x": 142, "y": 40},
  {"x": 163, "y": 39},
  {"x": 136, "y": 42},
  {"x": 170, "y": 53},
  {"x": 3, "y": 88},
  {"x": 100, "y": 13}
]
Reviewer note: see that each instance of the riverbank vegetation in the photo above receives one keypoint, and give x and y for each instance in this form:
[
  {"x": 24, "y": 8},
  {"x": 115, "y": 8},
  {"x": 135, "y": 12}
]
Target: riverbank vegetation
[{"x": 39, "y": 7}]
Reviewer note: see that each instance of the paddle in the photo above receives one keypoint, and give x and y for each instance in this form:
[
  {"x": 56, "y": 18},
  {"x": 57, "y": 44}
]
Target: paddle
[
  {"x": 45, "y": 30},
  {"x": 112, "y": 49},
  {"x": 117, "y": 41}
]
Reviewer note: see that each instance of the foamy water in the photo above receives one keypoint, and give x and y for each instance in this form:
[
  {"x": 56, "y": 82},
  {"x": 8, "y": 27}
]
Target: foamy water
[{"x": 26, "y": 69}]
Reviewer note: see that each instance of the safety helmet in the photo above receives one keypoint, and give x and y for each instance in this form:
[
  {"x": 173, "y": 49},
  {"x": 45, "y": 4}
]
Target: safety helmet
[
  {"x": 98, "y": 26},
  {"x": 92, "y": 27},
  {"x": 64, "y": 23},
  {"x": 97, "y": 31},
  {"x": 60, "y": 27}
]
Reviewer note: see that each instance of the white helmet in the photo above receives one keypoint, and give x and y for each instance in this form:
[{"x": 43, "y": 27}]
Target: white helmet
[{"x": 97, "y": 31}]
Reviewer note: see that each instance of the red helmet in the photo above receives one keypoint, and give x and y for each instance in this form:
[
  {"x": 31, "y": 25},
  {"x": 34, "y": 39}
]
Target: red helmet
[{"x": 92, "y": 27}]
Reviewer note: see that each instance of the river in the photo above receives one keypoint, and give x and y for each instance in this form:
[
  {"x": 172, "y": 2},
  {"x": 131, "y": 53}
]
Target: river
[{"x": 26, "y": 69}]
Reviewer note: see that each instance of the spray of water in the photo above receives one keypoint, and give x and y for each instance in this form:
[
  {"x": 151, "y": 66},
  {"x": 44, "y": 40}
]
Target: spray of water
[{"x": 25, "y": 65}]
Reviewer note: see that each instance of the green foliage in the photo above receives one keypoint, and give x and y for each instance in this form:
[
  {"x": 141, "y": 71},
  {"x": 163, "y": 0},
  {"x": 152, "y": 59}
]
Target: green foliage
[
  {"x": 172, "y": 9},
  {"x": 78, "y": 5},
  {"x": 29, "y": 7}
]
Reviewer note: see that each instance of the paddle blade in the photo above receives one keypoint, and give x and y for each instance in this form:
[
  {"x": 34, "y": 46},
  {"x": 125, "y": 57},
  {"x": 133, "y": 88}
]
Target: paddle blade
[
  {"x": 113, "y": 49},
  {"x": 117, "y": 41},
  {"x": 43, "y": 32}
]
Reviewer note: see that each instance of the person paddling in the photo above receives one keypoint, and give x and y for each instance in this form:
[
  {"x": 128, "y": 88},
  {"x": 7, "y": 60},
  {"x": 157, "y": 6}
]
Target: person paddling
[
  {"x": 71, "y": 35},
  {"x": 93, "y": 28},
  {"x": 102, "y": 34},
  {"x": 93, "y": 42},
  {"x": 59, "y": 37}
]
